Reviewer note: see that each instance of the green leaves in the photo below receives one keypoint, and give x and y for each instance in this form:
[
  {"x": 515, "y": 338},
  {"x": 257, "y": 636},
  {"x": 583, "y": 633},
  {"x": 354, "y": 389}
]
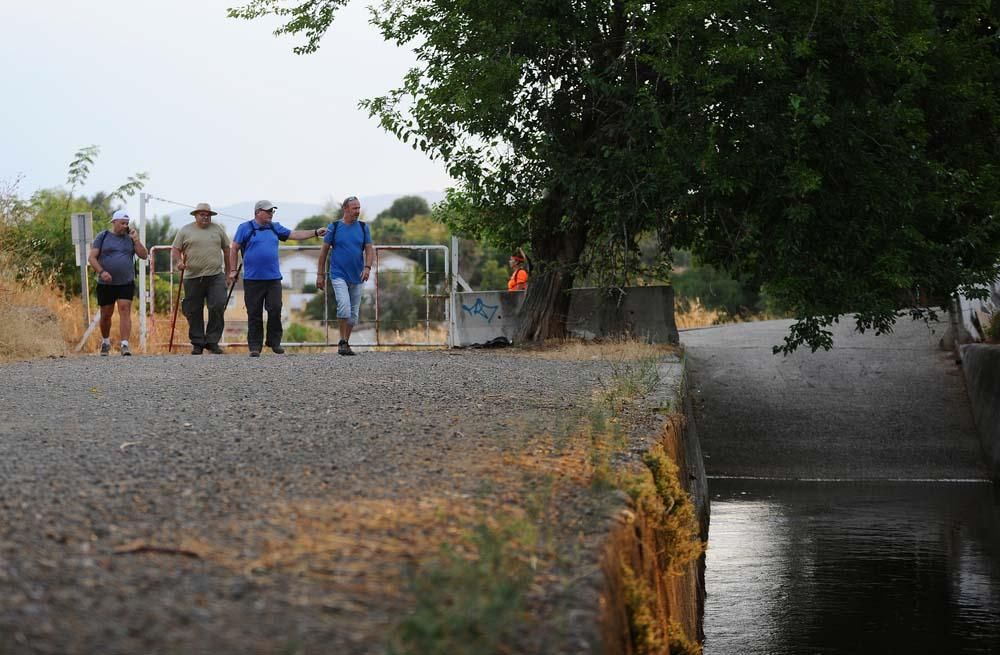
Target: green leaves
[
  {"x": 842, "y": 155},
  {"x": 79, "y": 168}
]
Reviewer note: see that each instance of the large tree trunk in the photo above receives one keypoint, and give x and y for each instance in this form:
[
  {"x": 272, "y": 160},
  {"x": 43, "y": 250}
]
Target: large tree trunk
[{"x": 546, "y": 307}]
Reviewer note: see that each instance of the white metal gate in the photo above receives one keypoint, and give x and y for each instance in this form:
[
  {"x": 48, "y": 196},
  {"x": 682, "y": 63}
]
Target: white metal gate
[{"x": 434, "y": 324}]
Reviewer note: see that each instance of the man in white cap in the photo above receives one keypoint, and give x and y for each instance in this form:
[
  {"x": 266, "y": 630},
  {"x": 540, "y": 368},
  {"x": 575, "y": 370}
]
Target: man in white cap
[
  {"x": 201, "y": 250},
  {"x": 258, "y": 240},
  {"x": 111, "y": 256}
]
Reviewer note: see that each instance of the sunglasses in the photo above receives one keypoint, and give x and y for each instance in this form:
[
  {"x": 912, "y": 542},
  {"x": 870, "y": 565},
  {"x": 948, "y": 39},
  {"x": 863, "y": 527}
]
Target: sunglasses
[{"x": 269, "y": 211}]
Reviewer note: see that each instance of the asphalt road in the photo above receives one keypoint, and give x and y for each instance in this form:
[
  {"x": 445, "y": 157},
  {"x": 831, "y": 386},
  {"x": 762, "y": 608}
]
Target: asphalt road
[
  {"x": 872, "y": 408},
  {"x": 234, "y": 505}
]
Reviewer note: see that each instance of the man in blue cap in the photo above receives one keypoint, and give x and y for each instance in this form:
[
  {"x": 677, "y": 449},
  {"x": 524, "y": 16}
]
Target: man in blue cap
[{"x": 258, "y": 241}]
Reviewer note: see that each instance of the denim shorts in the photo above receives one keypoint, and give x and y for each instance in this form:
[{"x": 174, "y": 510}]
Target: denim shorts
[{"x": 348, "y": 299}]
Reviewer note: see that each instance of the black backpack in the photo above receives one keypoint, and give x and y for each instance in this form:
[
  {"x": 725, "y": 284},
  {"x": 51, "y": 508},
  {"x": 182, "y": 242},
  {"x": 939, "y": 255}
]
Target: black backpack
[
  {"x": 332, "y": 229},
  {"x": 100, "y": 248}
]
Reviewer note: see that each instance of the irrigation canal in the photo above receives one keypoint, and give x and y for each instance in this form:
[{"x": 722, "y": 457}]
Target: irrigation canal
[{"x": 851, "y": 511}]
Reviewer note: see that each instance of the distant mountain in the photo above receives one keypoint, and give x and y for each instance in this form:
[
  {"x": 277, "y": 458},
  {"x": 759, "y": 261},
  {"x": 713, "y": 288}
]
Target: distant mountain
[{"x": 290, "y": 213}]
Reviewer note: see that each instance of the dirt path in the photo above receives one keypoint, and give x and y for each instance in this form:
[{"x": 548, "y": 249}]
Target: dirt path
[{"x": 229, "y": 505}]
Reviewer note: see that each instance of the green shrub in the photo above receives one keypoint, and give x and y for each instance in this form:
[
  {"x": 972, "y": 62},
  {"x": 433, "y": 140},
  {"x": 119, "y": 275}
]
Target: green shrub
[
  {"x": 470, "y": 604},
  {"x": 296, "y": 332},
  {"x": 716, "y": 291},
  {"x": 993, "y": 328}
]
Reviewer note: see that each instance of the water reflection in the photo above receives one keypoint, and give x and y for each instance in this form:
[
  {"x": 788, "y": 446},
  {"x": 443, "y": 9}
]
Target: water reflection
[{"x": 850, "y": 568}]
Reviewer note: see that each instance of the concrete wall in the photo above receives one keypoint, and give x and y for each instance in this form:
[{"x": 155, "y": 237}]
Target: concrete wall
[
  {"x": 482, "y": 316},
  {"x": 643, "y": 312},
  {"x": 979, "y": 311},
  {"x": 981, "y": 365}
]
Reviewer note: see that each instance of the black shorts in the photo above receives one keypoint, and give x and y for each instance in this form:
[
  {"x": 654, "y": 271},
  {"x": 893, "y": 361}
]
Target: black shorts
[{"x": 107, "y": 294}]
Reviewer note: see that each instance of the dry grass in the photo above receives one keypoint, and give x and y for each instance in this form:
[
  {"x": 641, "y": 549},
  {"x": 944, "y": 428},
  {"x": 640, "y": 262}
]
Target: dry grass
[
  {"x": 438, "y": 334},
  {"x": 696, "y": 316},
  {"x": 617, "y": 350},
  {"x": 35, "y": 320}
]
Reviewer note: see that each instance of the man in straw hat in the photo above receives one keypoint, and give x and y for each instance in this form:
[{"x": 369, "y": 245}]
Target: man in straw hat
[
  {"x": 201, "y": 250},
  {"x": 112, "y": 256}
]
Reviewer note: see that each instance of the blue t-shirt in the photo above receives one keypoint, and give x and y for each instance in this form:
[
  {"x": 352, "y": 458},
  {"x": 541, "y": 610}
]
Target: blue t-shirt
[
  {"x": 116, "y": 257},
  {"x": 347, "y": 257},
  {"x": 260, "y": 249}
]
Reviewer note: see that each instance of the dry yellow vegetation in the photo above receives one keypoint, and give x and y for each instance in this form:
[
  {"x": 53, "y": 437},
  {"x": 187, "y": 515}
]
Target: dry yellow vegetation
[{"x": 34, "y": 320}]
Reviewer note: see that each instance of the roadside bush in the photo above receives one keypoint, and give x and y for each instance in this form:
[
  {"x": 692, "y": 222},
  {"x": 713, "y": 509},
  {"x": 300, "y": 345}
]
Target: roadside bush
[
  {"x": 37, "y": 320},
  {"x": 296, "y": 332},
  {"x": 993, "y": 329},
  {"x": 716, "y": 291}
]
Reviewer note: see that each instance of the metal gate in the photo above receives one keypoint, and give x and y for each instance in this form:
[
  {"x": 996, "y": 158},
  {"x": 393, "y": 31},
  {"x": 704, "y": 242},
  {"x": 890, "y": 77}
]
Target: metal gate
[{"x": 379, "y": 323}]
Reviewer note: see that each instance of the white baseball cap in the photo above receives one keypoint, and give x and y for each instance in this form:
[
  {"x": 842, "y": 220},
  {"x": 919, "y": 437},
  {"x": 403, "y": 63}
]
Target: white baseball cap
[{"x": 120, "y": 215}]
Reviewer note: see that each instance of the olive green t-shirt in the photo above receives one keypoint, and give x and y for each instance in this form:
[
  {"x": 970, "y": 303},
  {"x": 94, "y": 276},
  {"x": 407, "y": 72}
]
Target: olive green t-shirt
[{"x": 203, "y": 248}]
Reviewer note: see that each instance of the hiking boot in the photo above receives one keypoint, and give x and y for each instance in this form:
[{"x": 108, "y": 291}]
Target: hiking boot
[
  {"x": 196, "y": 350},
  {"x": 105, "y": 349},
  {"x": 125, "y": 351},
  {"x": 214, "y": 348},
  {"x": 344, "y": 348},
  {"x": 255, "y": 353},
  {"x": 278, "y": 350}
]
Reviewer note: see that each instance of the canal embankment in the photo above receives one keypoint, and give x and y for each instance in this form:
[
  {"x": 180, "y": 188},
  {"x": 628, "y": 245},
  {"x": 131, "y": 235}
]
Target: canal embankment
[
  {"x": 981, "y": 365},
  {"x": 852, "y": 508},
  {"x": 653, "y": 566}
]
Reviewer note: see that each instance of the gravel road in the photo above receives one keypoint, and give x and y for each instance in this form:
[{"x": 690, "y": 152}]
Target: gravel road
[{"x": 212, "y": 504}]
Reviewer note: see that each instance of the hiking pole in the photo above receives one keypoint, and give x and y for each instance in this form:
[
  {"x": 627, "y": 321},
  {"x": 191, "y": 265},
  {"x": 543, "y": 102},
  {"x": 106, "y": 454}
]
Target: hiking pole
[
  {"x": 173, "y": 323},
  {"x": 233, "y": 285}
]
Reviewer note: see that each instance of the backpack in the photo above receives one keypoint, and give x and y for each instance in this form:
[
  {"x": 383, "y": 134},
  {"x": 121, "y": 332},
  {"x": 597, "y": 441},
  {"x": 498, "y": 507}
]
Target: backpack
[
  {"x": 100, "y": 248},
  {"x": 332, "y": 229},
  {"x": 253, "y": 232}
]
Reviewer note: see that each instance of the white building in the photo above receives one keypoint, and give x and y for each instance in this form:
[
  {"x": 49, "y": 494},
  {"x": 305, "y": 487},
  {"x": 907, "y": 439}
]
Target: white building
[{"x": 298, "y": 267}]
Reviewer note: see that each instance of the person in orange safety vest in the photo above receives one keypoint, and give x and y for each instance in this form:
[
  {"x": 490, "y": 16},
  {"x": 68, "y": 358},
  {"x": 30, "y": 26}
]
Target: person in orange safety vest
[{"x": 519, "y": 276}]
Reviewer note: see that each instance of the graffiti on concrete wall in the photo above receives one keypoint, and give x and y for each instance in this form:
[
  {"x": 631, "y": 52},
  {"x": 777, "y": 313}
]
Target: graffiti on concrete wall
[{"x": 479, "y": 308}]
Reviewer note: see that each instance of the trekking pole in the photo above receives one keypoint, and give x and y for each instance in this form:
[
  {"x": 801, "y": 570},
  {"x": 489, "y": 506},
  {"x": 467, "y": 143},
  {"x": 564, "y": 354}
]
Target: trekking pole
[
  {"x": 233, "y": 285},
  {"x": 173, "y": 323}
]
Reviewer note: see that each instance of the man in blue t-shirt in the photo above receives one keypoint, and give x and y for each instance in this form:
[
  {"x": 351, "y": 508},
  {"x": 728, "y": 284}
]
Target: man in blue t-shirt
[
  {"x": 350, "y": 264},
  {"x": 258, "y": 241}
]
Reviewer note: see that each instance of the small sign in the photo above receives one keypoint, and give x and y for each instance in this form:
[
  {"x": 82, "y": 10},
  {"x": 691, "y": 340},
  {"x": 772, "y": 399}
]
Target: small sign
[{"x": 83, "y": 227}]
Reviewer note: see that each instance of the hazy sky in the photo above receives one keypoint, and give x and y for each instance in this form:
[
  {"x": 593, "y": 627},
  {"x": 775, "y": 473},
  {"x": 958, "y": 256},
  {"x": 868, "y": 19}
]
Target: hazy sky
[{"x": 215, "y": 109}]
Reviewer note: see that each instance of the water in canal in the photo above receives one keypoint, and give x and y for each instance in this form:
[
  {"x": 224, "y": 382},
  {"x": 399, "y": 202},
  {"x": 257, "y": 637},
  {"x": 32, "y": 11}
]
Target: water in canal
[{"x": 802, "y": 568}]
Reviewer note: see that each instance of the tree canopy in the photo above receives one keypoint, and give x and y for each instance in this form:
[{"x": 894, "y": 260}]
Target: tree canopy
[
  {"x": 35, "y": 234},
  {"x": 406, "y": 207},
  {"x": 842, "y": 155},
  {"x": 313, "y": 222}
]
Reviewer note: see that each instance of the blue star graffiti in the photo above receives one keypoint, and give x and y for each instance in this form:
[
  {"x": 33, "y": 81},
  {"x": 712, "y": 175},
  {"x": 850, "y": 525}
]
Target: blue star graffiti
[{"x": 482, "y": 309}]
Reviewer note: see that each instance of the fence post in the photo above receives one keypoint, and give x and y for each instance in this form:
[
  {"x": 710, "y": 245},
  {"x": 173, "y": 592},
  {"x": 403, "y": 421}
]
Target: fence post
[{"x": 143, "y": 197}]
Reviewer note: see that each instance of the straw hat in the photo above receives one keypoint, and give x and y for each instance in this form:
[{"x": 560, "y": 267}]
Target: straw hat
[{"x": 204, "y": 207}]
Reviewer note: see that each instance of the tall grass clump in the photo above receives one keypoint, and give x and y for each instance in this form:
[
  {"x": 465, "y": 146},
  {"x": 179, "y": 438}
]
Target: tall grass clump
[
  {"x": 469, "y": 598},
  {"x": 34, "y": 318}
]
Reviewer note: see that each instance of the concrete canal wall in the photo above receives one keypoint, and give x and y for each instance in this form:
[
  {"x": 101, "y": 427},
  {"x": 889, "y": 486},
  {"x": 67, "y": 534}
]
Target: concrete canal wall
[
  {"x": 981, "y": 365},
  {"x": 654, "y": 566},
  {"x": 646, "y": 313}
]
